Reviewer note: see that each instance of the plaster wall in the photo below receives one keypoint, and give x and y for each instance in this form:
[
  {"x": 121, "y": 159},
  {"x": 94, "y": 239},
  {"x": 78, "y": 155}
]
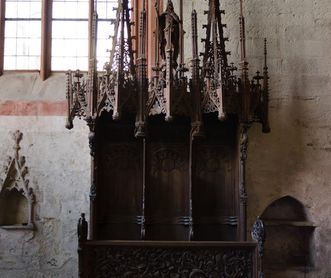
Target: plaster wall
[
  {"x": 294, "y": 159},
  {"x": 58, "y": 162}
]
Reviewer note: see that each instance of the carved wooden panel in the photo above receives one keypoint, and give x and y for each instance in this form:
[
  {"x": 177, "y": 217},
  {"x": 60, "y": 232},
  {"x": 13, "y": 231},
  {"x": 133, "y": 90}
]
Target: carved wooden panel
[
  {"x": 167, "y": 183},
  {"x": 213, "y": 182},
  {"x": 120, "y": 189},
  {"x": 169, "y": 260}
]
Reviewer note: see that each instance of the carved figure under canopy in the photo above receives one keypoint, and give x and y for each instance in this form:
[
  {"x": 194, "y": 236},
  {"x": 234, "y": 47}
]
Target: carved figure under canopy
[{"x": 169, "y": 24}]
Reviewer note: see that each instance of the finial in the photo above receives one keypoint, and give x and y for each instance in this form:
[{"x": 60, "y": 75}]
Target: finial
[
  {"x": 170, "y": 6},
  {"x": 242, "y": 33},
  {"x": 17, "y": 136},
  {"x": 265, "y": 53},
  {"x": 241, "y": 8}
]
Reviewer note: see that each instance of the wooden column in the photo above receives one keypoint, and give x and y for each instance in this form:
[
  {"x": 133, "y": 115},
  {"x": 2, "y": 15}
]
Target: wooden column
[
  {"x": 46, "y": 39},
  {"x": 137, "y": 6},
  {"x": 151, "y": 17},
  {"x": 243, "y": 148},
  {"x": 2, "y": 33},
  {"x": 92, "y": 45}
]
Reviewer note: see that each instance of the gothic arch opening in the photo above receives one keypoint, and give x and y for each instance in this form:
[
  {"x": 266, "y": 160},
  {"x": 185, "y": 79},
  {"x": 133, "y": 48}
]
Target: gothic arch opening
[
  {"x": 289, "y": 235},
  {"x": 14, "y": 208}
]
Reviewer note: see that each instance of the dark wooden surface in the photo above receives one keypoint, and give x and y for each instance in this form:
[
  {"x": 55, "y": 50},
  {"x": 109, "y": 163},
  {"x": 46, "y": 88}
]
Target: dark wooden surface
[
  {"x": 214, "y": 201},
  {"x": 167, "y": 199},
  {"x": 120, "y": 182},
  {"x": 168, "y": 259},
  {"x": 167, "y": 187}
]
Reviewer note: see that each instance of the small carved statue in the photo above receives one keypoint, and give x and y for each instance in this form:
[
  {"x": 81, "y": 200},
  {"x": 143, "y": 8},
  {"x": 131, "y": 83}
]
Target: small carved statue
[
  {"x": 82, "y": 228},
  {"x": 169, "y": 22}
]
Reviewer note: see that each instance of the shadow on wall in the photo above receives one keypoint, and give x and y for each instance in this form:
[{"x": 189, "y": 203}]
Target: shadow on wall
[
  {"x": 275, "y": 159},
  {"x": 278, "y": 163}
]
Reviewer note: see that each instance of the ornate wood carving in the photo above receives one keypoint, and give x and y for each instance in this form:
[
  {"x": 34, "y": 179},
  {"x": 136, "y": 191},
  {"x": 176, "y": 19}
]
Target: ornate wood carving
[
  {"x": 213, "y": 88},
  {"x": 169, "y": 179},
  {"x": 115, "y": 88},
  {"x": 14, "y": 177},
  {"x": 243, "y": 158},
  {"x": 167, "y": 160},
  {"x": 142, "y": 79},
  {"x": 169, "y": 261},
  {"x": 215, "y": 70},
  {"x": 168, "y": 89},
  {"x": 195, "y": 84},
  {"x": 166, "y": 263},
  {"x": 243, "y": 147},
  {"x": 259, "y": 235}
]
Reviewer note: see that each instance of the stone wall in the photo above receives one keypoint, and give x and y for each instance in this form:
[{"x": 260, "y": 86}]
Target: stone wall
[
  {"x": 58, "y": 162},
  {"x": 294, "y": 159}
]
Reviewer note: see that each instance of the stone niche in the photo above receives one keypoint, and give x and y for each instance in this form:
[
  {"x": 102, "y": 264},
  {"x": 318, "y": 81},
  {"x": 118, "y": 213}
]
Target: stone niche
[
  {"x": 16, "y": 196},
  {"x": 289, "y": 236}
]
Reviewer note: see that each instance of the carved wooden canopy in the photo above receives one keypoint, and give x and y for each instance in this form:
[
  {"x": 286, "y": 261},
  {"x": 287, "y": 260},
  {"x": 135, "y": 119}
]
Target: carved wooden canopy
[
  {"x": 210, "y": 86},
  {"x": 169, "y": 162}
]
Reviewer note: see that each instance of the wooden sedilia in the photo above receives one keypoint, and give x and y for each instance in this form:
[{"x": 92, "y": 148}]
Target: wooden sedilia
[{"x": 169, "y": 150}]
